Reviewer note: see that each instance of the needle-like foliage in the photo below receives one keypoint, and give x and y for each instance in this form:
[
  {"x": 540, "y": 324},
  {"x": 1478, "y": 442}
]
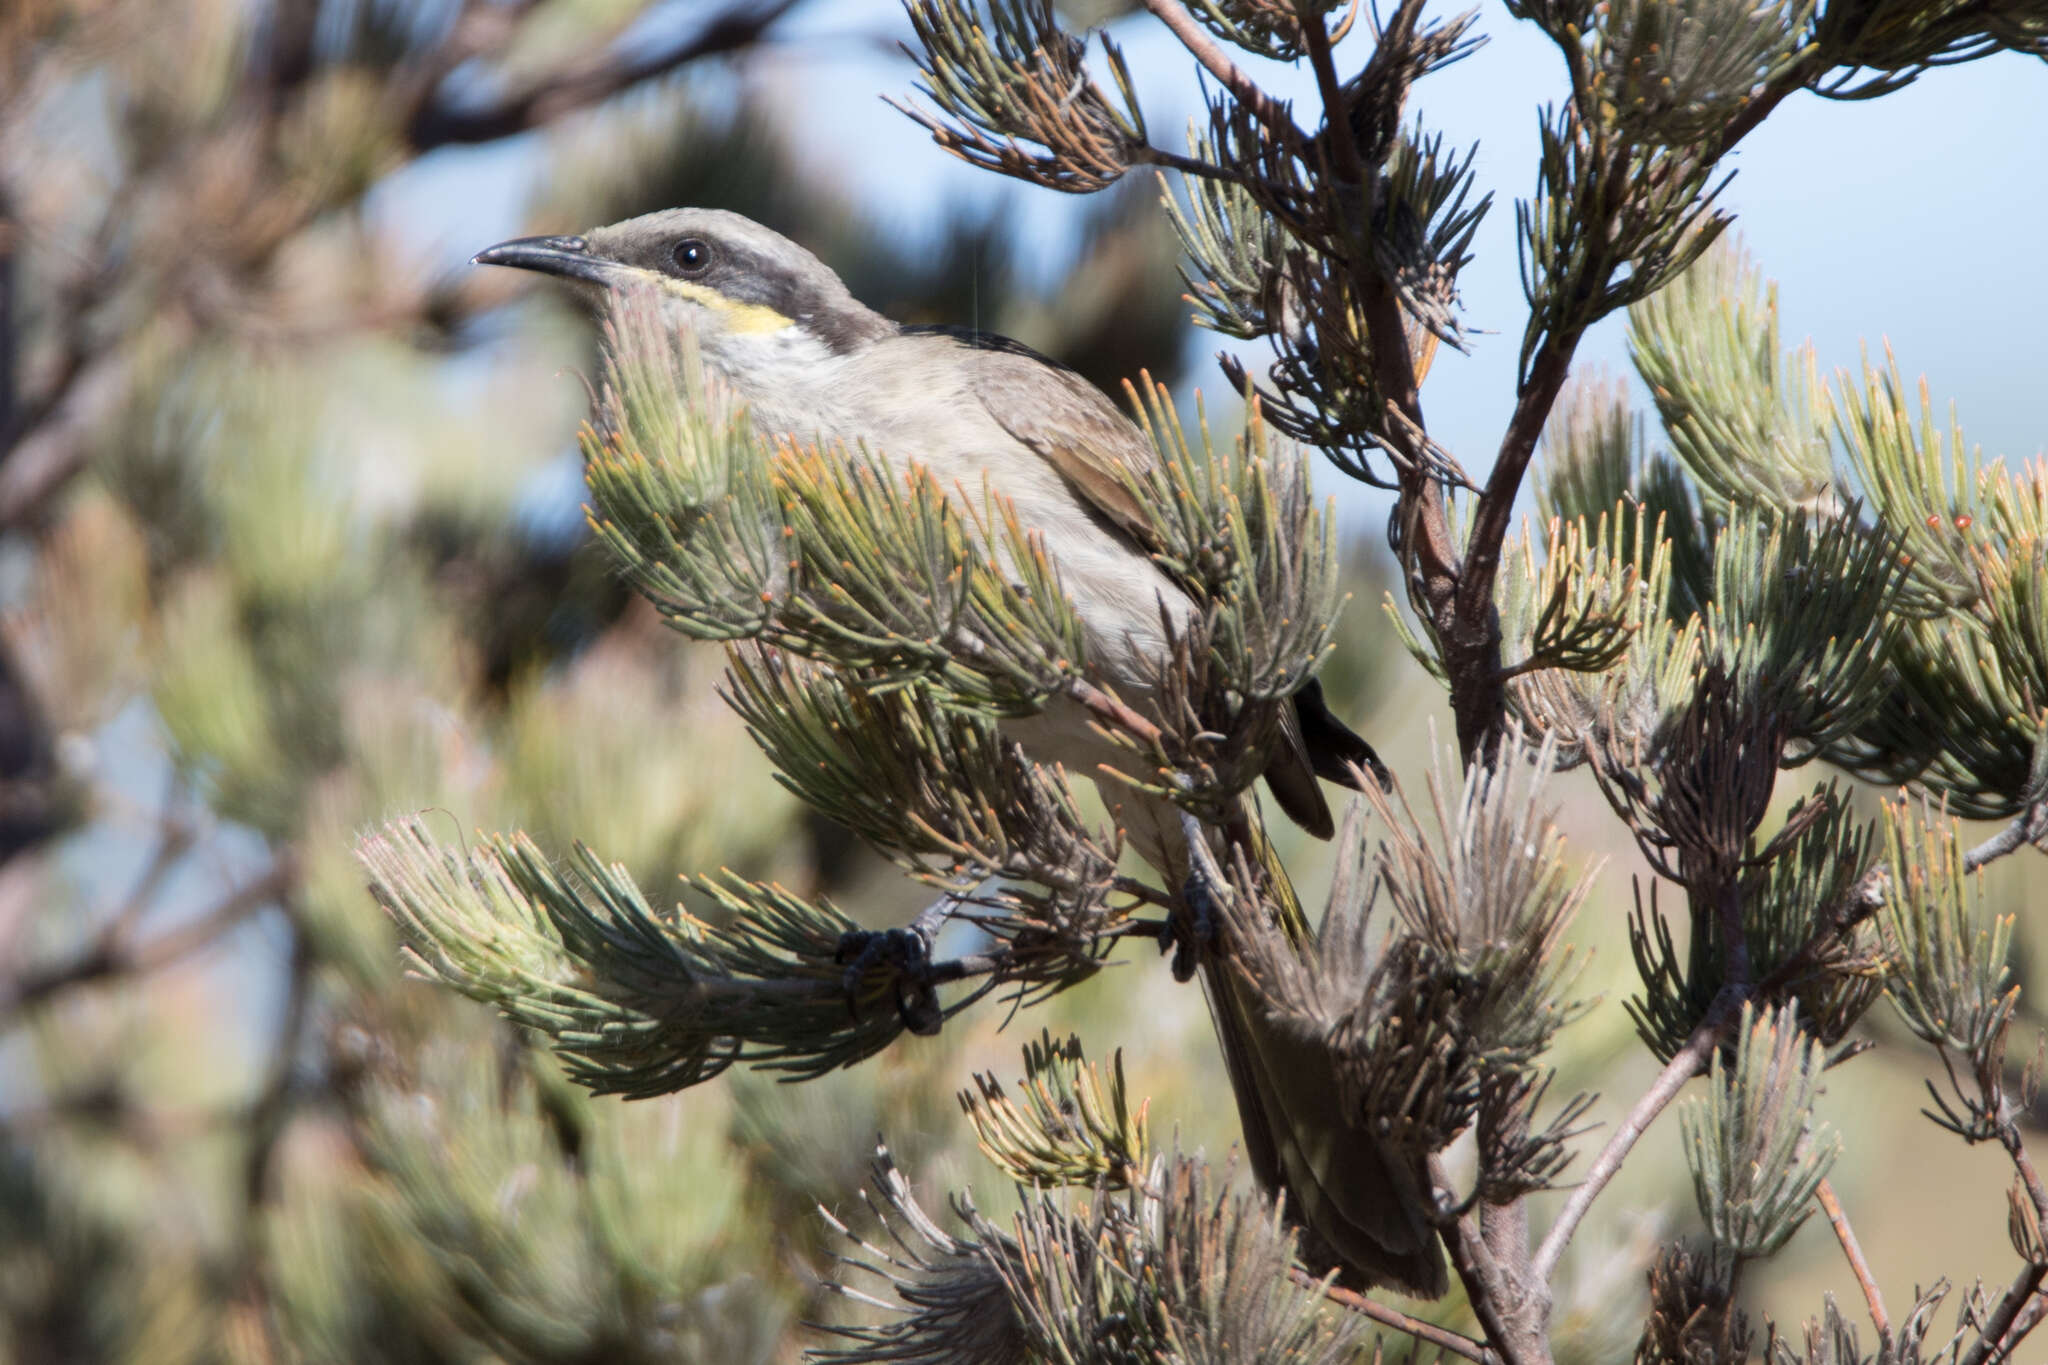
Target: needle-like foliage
[
  {"x": 637, "y": 1002},
  {"x": 1172, "y": 1269},
  {"x": 1067, "y": 1130},
  {"x": 1763, "y": 571},
  {"x": 1755, "y": 1154}
]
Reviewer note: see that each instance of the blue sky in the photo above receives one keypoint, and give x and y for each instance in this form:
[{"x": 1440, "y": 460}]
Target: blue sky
[{"x": 1916, "y": 218}]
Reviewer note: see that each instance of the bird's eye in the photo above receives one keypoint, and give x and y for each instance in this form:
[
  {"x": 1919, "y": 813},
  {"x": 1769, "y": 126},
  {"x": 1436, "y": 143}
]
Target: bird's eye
[{"x": 692, "y": 256}]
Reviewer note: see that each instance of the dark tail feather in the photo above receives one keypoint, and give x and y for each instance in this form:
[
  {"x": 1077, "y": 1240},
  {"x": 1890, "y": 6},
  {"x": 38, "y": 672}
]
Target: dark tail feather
[
  {"x": 1332, "y": 746},
  {"x": 1291, "y": 776},
  {"x": 1360, "y": 1206}
]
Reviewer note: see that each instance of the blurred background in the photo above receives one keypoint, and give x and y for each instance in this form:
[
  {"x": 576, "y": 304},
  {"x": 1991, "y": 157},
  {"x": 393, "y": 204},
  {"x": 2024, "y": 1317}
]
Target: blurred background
[{"x": 291, "y": 542}]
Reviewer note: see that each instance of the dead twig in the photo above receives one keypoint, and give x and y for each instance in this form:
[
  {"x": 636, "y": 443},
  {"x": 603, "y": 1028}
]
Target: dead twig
[
  {"x": 1683, "y": 1066},
  {"x": 1853, "y": 1250},
  {"x": 1442, "y": 1338}
]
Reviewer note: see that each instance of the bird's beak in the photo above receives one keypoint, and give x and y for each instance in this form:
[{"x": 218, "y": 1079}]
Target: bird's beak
[{"x": 569, "y": 257}]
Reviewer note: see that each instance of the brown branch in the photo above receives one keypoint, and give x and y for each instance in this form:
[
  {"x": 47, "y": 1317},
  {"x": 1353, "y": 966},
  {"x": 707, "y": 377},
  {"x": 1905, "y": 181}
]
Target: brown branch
[
  {"x": 1481, "y": 704},
  {"x": 1440, "y": 1337},
  {"x": 43, "y": 436},
  {"x": 2029, "y": 827},
  {"x": 2019, "y": 1311},
  {"x": 584, "y": 81},
  {"x": 2029, "y": 1318},
  {"x": 52, "y": 446},
  {"x": 1799, "y": 76},
  {"x": 1429, "y": 557},
  {"x": 1110, "y": 711},
  {"x": 113, "y": 955},
  {"x": 1480, "y": 1273},
  {"x": 1853, "y": 1250},
  {"x": 1504, "y": 1228},
  {"x": 2015, "y": 1145},
  {"x": 1184, "y": 26},
  {"x": 1683, "y": 1066},
  {"x": 1336, "y": 119}
]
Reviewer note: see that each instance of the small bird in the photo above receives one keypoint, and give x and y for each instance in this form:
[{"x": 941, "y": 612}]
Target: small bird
[{"x": 813, "y": 364}]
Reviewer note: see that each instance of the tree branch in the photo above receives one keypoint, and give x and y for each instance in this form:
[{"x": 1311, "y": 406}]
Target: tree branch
[
  {"x": 2029, "y": 827},
  {"x": 1683, "y": 1066},
  {"x": 2008, "y": 1325},
  {"x": 584, "y": 81},
  {"x": 1183, "y": 25},
  {"x": 1442, "y": 1338},
  {"x": 1349, "y": 167},
  {"x": 1483, "y": 704},
  {"x": 1481, "y": 701},
  {"x": 1853, "y": 1250},
  {"x": 2015, "y": 1145},
  {"x": 1485, "y": 1288},
  {"x": 112, "y": 955},
  {"x": 1423, "y": 540}
]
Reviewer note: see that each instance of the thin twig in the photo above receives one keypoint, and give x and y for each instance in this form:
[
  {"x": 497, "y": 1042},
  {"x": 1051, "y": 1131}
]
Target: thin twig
[
  {"x": 1183, "y": 25},
  {"x": 112, "y": 956},
  {"x": 582, "y": 82},
  {"x": 2015, "y": 1145},
  {"x": 1853, "y": 1250},
  {"x": 2030, "y": 827},
  {"x": 2008, "y": 1325},
  {"x": 1150, "y": 155},
  {"x": 1440, "y": 1337},
  {"x": 173, "y": 840},
  {"x": 1683, "y": 1066},
  {"x": 1113, "y": 712}
]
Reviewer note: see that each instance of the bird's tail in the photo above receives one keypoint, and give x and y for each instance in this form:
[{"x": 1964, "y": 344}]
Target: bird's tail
[{"x": 1361, "y": 1207}]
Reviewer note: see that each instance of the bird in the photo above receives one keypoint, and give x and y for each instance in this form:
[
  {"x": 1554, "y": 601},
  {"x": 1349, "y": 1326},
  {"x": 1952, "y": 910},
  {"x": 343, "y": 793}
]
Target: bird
[{"x": 812, "y": 364}]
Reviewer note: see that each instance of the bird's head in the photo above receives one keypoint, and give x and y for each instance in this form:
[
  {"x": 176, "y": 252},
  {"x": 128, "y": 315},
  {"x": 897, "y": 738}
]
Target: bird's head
[{"x": 752, "y": 296}]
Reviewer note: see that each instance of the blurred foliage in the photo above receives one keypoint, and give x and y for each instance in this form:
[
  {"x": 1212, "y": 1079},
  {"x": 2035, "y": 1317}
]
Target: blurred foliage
[
  {"x": 280, "y": 508},
  {"x": 277, "y": 566}
]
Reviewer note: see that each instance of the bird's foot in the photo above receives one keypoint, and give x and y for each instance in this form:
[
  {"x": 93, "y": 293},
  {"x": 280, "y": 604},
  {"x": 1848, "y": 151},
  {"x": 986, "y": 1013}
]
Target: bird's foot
[
  {"x": 1190, "y": 932},
  {"x": 1192, "y": 929},
  {"x": 906, "y": 954}
]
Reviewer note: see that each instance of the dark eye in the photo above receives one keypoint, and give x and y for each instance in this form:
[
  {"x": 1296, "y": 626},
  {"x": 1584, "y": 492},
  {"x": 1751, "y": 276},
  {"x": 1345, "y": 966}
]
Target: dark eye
[{"x": 692, "y": 256}]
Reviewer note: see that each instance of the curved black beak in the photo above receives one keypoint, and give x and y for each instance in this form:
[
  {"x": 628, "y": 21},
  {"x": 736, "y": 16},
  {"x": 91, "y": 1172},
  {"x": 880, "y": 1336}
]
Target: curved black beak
[{"x": 569, "y": 257}]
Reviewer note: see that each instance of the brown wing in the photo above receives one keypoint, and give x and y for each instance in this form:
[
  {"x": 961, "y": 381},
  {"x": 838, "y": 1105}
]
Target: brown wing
[
  {"x": 1078, "y": 431},
  {"x": 1071, "y": 424}
]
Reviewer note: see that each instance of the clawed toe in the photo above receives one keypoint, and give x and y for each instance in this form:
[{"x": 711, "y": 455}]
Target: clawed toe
[{"x": 906, "y": 954}]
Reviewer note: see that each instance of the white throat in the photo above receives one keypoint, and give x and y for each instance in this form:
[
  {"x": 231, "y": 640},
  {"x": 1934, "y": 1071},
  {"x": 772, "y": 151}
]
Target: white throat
[{"x": 785, "y": 377}]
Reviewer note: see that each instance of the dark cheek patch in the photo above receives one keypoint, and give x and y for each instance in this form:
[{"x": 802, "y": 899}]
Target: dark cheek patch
[{"x": 746, "y": 278}]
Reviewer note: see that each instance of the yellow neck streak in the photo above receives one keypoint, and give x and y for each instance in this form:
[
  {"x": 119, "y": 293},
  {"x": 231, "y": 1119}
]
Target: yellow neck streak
[{"x": 740, "y": 317}]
